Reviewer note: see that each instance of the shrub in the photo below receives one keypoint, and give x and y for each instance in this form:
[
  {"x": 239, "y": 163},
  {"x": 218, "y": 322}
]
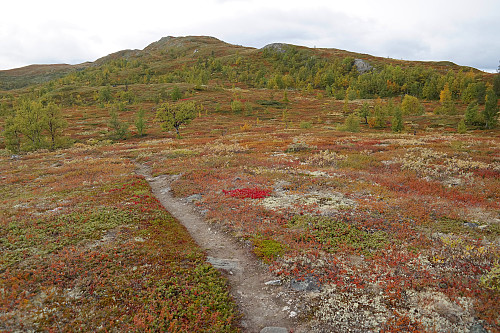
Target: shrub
[
  {"x": 491, "y": 280},
  {"x": 351, "y": 124},
  {"x": 236, "y": 106},
  {"x": 305, "y": 125},
  {"x": 246, "y": 127},
  {"x": 298, "y": 145}
]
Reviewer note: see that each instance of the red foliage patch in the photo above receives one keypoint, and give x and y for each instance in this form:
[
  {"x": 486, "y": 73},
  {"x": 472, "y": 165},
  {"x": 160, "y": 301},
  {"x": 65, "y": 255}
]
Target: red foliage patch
[{"x": 253, "y": 193}]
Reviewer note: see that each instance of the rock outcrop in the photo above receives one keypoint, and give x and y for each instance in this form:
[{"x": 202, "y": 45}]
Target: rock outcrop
[{"x": 362, "y": 66}]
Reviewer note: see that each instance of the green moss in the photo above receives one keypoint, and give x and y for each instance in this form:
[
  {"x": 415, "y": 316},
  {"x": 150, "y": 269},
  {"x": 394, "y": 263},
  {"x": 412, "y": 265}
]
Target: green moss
[
  {"x": 337, "y": 235},
  {"x": 267, "y": 249},
  {"x": 359, "y": 161},
  {"x": 463, "y": 227}
]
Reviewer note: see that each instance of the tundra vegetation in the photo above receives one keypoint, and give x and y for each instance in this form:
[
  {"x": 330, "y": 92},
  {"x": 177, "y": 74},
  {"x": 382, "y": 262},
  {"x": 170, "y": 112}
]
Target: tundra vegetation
[{"x": 382, "y": 187}]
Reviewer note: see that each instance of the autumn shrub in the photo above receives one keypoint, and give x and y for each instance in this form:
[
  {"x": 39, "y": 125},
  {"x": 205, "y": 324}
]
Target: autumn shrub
[
  {"x": 246, "y": 127},
  {"x": 491, "y": 280},
  {"x": 252, "y": 193}
]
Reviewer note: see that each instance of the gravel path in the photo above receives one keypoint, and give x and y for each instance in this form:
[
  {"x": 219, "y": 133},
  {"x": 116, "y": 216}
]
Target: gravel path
[{"x": 259, "y": 303}]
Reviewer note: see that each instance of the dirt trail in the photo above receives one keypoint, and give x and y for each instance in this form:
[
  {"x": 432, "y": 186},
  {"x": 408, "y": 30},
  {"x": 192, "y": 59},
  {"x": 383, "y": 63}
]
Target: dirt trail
[{"x": 247, "y": 276}]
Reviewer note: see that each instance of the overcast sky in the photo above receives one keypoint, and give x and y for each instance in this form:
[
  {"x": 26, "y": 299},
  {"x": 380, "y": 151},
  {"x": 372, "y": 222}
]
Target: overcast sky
[{"x": 466, "y": 32}]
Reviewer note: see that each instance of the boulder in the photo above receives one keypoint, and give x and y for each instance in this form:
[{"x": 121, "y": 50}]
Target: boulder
[{"x": 362, "y": 66}]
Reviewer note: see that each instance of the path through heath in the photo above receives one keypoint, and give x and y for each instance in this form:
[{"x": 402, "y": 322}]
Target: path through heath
[{"x": 262, "y": 310}]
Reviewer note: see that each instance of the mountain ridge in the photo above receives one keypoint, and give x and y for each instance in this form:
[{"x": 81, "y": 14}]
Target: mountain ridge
[{"x": 189, "y": 46}]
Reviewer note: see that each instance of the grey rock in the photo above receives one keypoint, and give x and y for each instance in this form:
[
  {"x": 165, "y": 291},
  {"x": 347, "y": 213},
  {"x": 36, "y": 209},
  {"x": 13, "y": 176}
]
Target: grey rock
[
  {"x": 477, "y": 328},
  {"x": 362, "y": 66},
  {"x": 308, "y": 284},
  {"x": 470, "y": 225},
  {"x": 15, "y": 157},
  {"x": 272, "y": 329},
  {"x": 194, "y": 197},
  {"x": 277, "y": 47},
  {"x": 225, "y": 264},
  {"x": 273, "y": 283}
]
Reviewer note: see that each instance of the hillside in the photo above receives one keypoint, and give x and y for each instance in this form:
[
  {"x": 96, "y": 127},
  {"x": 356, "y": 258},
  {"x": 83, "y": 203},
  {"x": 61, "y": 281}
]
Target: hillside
[
  {"x": 333, "y": 192},
  {"x": 183, "y": 50},
  {"x": 35, "y": 74}
]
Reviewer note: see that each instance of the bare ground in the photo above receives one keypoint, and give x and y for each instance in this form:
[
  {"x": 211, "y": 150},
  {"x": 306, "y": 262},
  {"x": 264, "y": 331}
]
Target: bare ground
[{"x": 261, "y": 305}]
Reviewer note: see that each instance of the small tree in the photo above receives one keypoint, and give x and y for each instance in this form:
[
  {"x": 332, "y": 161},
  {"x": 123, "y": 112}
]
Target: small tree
[
  {"x": 12, "y": 135},
  {"x": 461, "y": 128},
  {"x": 55, "y": 123},
  {"x": 496, "y": 83},
  {"x": 174, "y": 115},
  {"x": 411, "y": 106},
  {"x": 447, "y": 104},
  {"x": 379, "y": 118},
  {"x": 31, "y": 121},
  {"x": 284, "y": 117},
  {"x": 140, "y": 123},
  {"x": 119, "y": 129},
  {"x": 397, "y": 121},
  {"x": 285, "y": 96},
  {"x": 345, "y": 107},
  {"x": 364, "y": 112},
  {"x": 490, "y": 112},
  {"x": 176, "y": 94},
  {"x": 128, "y": 97},
  {"x": 105, "y": 95},
  {"x": 471, "y": 114}
]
